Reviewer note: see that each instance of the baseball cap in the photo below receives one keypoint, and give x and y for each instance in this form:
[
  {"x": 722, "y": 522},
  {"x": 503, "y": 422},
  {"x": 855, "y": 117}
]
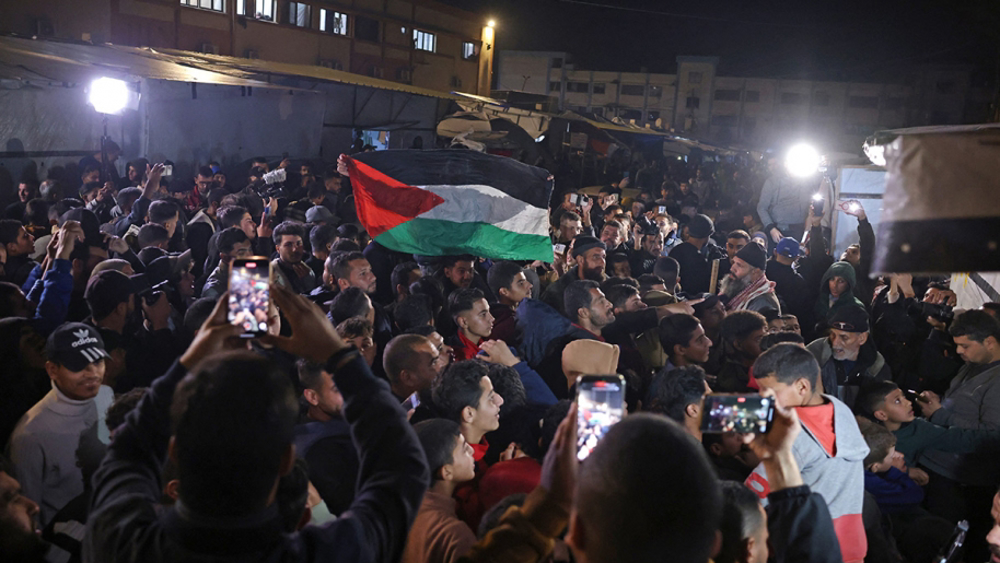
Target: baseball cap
[
  {"x": 75, "y": 346},
  {"x": 106, "y": 290},
  {"x": 788, "y": 247},
  {"x": 849, "y": 318},
  {"x": 319, "y": 213}
]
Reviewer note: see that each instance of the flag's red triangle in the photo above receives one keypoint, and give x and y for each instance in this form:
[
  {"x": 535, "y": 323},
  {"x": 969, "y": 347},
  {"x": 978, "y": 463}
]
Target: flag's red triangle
[{"x": 383, "y": 202}]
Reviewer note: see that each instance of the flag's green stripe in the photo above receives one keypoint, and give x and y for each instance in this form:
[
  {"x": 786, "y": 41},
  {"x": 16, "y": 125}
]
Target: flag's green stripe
[{"x": 436, "y": 237}]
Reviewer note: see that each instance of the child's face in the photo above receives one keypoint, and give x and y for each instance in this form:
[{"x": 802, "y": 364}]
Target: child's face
[
  {"x": 897, "y": 408},
  {"x": 886, "y": 463}
]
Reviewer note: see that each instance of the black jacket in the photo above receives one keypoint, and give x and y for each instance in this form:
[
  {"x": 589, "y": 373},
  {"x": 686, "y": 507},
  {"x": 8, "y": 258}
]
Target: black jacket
[
  {"x": 790, "y": 287},
  {"x": 696, "y": 266},
  {"x": 126, "y": 523}
]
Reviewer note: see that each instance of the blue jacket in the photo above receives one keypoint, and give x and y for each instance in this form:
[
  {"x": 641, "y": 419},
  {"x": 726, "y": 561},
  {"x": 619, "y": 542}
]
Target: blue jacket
[
  {"x": 51, "y": 293},
  {"x": 893, "y": 490}
]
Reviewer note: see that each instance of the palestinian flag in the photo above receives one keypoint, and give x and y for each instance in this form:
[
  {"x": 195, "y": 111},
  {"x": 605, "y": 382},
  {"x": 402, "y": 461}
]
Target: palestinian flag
[{"x": 448, "y": 202}]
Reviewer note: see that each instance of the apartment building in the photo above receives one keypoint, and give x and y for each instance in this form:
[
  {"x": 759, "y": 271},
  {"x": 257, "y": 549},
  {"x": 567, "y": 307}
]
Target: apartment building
[
  {"x": 751, "y": 112},
  {"x": 417, "y": 42}
]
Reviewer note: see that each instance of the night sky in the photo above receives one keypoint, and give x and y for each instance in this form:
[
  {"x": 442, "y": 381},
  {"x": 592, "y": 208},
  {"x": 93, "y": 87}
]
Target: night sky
[{"x": 838, "y": 40}]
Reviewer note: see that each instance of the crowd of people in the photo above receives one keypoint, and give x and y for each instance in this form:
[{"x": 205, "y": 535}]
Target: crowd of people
[{"x": 395, "y": 407}]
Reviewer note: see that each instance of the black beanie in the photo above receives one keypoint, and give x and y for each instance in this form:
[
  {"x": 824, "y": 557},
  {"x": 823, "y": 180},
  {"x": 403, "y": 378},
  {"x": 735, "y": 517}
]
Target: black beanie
[{"x": 753, "y": 254}]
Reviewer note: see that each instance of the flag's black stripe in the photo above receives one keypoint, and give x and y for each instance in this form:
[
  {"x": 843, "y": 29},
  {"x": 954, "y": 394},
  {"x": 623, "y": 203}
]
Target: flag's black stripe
[
  {"x": 938, "y": 245},
  {"x": 462, "y": 167}
]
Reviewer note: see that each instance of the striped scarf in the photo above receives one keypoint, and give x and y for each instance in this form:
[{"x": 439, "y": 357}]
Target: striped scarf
[{"x": 760, "y": 287}]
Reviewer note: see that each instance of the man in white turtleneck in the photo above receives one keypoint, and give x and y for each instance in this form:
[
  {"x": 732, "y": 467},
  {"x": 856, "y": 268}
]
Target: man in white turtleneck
[{"x": 44, "y": 444}]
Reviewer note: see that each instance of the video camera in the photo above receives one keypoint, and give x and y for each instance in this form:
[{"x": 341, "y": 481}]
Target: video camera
[
  {"x": 921, "y": 309},
  {"x": 270, "y": 183},
  {"x": 148, "y": 290}
]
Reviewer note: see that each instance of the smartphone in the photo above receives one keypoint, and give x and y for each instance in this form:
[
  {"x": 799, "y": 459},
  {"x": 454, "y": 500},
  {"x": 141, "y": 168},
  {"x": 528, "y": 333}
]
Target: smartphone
[
  {"x": 168, "y": 170},
  {"x": 600, "y": 401},
  {"x": 249, "y": 296},
  {"x": 662, "y": 209},
  {"x": 848, "y": 206},
  {"x": 575, "y": 199},
  {"x": 726, "y": 412},
  {"x": 626, "y": 174},
  {"x": 558, "y": 248},
  {"x": 411, "y": 402}
]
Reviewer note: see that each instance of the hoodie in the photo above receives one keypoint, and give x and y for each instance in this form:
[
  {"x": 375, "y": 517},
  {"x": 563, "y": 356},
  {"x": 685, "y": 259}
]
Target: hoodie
[
  {"x": 823, "y": 306},
  {"x": 838, "y": 476}
]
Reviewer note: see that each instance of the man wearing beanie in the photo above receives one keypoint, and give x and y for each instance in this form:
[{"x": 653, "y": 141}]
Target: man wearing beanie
[
  {"x": 746, "y": 287},
  {"x": 44, "y": 444},
  {"x": 588, "y": 264},
  {"x": 848, "y": 358},
  {"x": 696, "y": 254}
]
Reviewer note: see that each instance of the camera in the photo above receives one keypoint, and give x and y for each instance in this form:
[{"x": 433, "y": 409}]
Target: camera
[
  {"x": 148, "y": 291},
  {"x": 943, "y": 313}
]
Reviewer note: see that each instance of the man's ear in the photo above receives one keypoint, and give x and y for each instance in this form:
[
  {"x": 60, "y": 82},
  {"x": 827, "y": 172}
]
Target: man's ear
[
  {"x": 122, "y": 308},
  {"x": 583, "y": 313},
  {"x": 461, "y": 322},
  {"x": 468, "y": 415},
  {"x": 716, "y": 449},
  {"x": 447, "y": 472},
  {"x": 747, "y": 552},
  {"x": 880, "y": 416},
  {"x": 51, "y": 368},
  {"x": 864, "y": 338},
  {"x": 692, "y": 410},
  {"x": 343, "y": 284},
  {"x": 311, "y": 397},
  {"x": 504, "y": 292},
  {"x": 405, "y": 377}
]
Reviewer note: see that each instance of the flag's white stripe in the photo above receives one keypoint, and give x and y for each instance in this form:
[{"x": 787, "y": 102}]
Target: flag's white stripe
[{"x": 486, "y": 204}]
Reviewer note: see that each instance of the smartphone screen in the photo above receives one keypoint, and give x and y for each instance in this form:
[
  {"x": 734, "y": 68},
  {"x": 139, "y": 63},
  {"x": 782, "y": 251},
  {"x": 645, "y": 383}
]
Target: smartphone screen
[
  {"x": 724, "y": 412},
  {"x": 558, "y": 248},
  {"x": 600, "y": 401},
  {"x": 249, "y": 296},
  {"x": 411, "y": 402},
  {"x": 662, "y": 209}
]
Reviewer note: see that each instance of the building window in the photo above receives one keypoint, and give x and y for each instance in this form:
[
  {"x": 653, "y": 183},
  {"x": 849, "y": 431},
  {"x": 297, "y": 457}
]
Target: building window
[
  {"x": 630, "y": 114},
  {"x": 577, "y": 87},
  {"x": 694, "y": 77},
  {"x": 599, "y": 87},
  {"x": 633, "y": 89},
  {"x": 555, "y": 87},
  {"x": 655, "y": 91},
  {"x": 214, "y": 5},
  {"x": 792, "y": 98},
  {"x": 725, "y": 120},
  {"x": 469, "y": 50},
  {"x": 693, "y": 102},
  {"x": 751, "y": 96},
  {"x": 727, "y": 95},
  {"x": 821, "y": 98},
  {"x": 893, "y": 103},
  {"x": 557, "y": 63},
  {"x": 263, "y": 10},
  {"x": 366, "y": 29},
  {"x": 863, "y": 102},
  {"x": 652, "y": 116},
  {"x": 424, "y": 41},
  {"x": 332, "y": 22},
  {"x": 299, "y": 14}
]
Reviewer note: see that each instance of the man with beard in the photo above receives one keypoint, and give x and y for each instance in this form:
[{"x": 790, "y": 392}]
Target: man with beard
[
  {"x": 613, "y": 236},
  {"x": 411, "y": 363},
  {"x": 644, "y": 259},
  {"x": 746, "y": 287},
  {"x": 696, "y": 254},
  {"x": 589, "y": 258},
  {"x": 323, "y": 438},
  {"x": 289, "y": 269},
  {"x": 848, "y": 359}
]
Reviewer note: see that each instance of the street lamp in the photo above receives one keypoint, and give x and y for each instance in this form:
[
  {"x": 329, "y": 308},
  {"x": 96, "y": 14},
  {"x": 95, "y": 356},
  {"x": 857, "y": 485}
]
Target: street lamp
[
  {"x": 802, "y": 160},
  {"x": 491, "y": 23},
  {"x": 109, "y": 96}
]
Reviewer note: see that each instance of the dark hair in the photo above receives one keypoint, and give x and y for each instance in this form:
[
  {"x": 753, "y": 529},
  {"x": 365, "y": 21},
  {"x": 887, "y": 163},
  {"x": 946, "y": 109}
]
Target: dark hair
[
  {"x": 739, "y": 233},
  {"x": 341, "y": 267},
  {"x": 507, "y": 383},
  {"x": 413, "y": 310},
  {"x": 248, "y": 403},
  {"x": 348, "y": 230},
  {"x": 975, "y": 325},
  {"x": 103, "y": 303},
  {"x": 741, "y": 519},
  {"x": 670, "y": 392},
  {"x": 770, "y": 340},
  {"x": 641, "y": 461},
  {"x": 463, "y": 299},
  {"x": 123, "y": 405},
  {"x": 322, "y": 235},
  {"x": 647, "y": 281},
  {"x": 315, "y": 190},
  {"x": 459, "y": 388},
  {"x": 400, "y": 354},
  {"x": 351, "y": 302},
  {"x": 354, "y": 327},
  {"x": 151, "y": 234},
  {"x": 879, "y": 439},
  {"x": 215, "y": 195},
  {"x": 310, "y": 374},
  {"x": 738, "y": 325},
  {"x": 615, "y": 258},
  {"x": 126, "y": 197},
  {"x": 787, "y": 363},
  {"x": 161, "y": 211},
  {"x": 871, "y": 397},
  {"x": 677, "y": 330},
  {"x": 431, "y": 287},
  {"x": 491, "y": 518},
  {"x": 438, "y": 439},
  {"x": 450, "y": 261},
  {"x": 206, "y": 171},
  {"x": 9, "y": 229},
  {"x": 668, "y": 269},
  {"x": 7, "y": 292},
  {"x": 501, "y": 276},
  {"x": 231, "y": 216},
  {"x": 292, "y": 228},
  {"x": 550, "y": 423},
  {"x": 229, "y": 238},
  {"x": 577, "y": 296},
  {"x": 293, "y": 495},
  {"x": 619, "y": 293},
  {"x": 400, "y": 275},
  {"x": 36, "y": 212},
  {"x": 345, "y": 245},
  {"x": 197, "y": 313},
  {"x": 425, "y": 330}
]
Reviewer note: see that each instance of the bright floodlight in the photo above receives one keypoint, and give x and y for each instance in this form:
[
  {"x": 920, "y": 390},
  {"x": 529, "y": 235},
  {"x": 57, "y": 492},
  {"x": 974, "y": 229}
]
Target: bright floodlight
[
  {"x": 802, "y": 160},
  {"x": 491, "y": 23},
  {"x": 108, "y": 95}
]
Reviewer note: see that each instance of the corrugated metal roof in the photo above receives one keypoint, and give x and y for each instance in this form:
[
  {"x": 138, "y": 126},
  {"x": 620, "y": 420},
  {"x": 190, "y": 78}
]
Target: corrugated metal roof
[{"x": 42, "y": 62}]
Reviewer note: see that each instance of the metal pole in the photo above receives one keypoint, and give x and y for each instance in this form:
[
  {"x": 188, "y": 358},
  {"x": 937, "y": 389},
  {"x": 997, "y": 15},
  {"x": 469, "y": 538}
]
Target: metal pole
[{"x": 105, "y": 175}]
